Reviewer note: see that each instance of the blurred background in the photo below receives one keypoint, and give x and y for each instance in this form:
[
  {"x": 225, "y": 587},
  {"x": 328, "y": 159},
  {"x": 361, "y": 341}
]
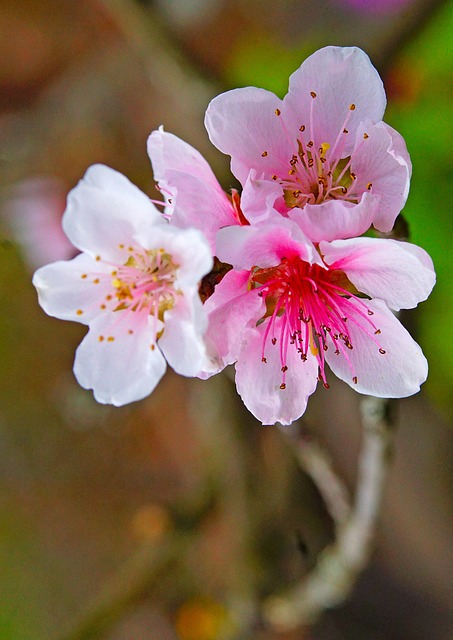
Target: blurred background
[{"x": 172, "y": 518}]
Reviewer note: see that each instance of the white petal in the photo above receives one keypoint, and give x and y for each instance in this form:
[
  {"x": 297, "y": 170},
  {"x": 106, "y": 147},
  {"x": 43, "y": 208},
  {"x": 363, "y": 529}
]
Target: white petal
[
  {"x": 182, "y": 340},
  {"x": 123, "y": 370},
  {"x": 104, "y": 211},
  {"x": 63, "y": 292}
]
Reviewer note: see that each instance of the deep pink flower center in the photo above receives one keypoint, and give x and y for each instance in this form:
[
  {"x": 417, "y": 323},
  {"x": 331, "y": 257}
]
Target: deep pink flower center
[{"x": 309, "y": 308}]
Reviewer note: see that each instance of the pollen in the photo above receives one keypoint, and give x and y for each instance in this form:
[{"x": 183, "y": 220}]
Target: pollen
[
  {"x": 103, "y": 306},
  {"x": 130, "y": 332},
  {"x": 96, "y": 281},
  {"x": 79, "y": 312},
  {"x": 84, "y": 275},
  {"x": 110, "y": 339},
  {"x": 121, "y": 246},
  {"x": 97, "y": 258},
  {"x": 101, "y": 338}
]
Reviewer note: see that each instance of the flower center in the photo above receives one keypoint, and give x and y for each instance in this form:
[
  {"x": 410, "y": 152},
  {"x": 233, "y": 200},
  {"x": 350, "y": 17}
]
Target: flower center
[
  {"x": 308, "y": 308},
  {"x": 146, "y": 282},
  {"x": 319, "y": 174}
]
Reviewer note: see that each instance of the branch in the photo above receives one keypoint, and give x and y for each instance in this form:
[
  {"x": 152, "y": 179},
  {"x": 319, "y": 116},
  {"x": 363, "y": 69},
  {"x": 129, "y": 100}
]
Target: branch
[{"x": 339, "y": 565}]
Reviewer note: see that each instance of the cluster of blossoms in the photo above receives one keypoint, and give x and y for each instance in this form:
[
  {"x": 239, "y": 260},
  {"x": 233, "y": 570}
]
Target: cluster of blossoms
[{"x": 279, "y": 279}]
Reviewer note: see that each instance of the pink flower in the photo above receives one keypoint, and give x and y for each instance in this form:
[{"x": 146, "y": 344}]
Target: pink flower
[
  {"x": 33, "y": 210},
  {"x": 192, "y": 193},
  {"x": 287, "y": 310},
  {"x": 322, "y": 156},
  {"x": 135, "y": 285}
]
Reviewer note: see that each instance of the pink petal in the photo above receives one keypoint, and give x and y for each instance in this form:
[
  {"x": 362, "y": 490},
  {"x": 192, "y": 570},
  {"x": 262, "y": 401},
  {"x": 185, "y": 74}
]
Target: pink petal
[
  {"x": 335, "y": 219},
  {"x": 258, "y": 199},
  {"x": 397, "y": 373},
  {"x": 243, "y": 124},
  {"x": 339, "y": 76},
  {"x": 105, "y": 210},
  {"x": 258, "y": 383},
  {"x": 382, "y": 160},
  {"x": 264, "y": 246},
  {"x": 386, "y": 269},
  {"x": 193, "y": 195},
  {"x": 230, "y": 308},
  {"x": 123, "y": 370}
]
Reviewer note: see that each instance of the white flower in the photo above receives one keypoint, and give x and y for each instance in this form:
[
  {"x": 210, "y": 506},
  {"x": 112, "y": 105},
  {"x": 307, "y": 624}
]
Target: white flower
[{"x": 135, "y": 285}]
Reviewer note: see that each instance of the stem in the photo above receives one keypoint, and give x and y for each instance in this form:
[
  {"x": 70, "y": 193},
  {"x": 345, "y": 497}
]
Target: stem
[{"x": 340, "y": 564}]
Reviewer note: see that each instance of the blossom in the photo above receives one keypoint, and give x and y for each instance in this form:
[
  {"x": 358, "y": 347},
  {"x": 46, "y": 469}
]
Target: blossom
[
  {"x": 321, "y": 156},
  {"x": 193, "y": 196},
  {"x": 33, "y": 210},
  {"x": 288, "y": 309},
  {"x": 135, "y": 284}
]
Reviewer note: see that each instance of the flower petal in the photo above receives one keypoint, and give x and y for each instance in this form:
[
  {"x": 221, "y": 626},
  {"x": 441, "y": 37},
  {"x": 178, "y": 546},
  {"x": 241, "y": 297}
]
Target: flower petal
[
  {"x": 386, "y": 269},
  {"x": 70, "y": 290},
  {"x": 264, "y": 246},
  {"x": 188, "y": 247},
  {"x": 381, "y": 160},
  {"x": 104, "y": 211},
  {"x": 121, "y": 370},
  {"x": 335, "y": 219},
  {"x": 231, "y": 308},
  {"x": 243, "y": 124},
  {"x": 340, "y": 77},
  {"x": 258, "y": 382},
  {"x": 193, "y": 195},
  {"x": 397, "y": 373},
  {"x": 182, "y": 340}
]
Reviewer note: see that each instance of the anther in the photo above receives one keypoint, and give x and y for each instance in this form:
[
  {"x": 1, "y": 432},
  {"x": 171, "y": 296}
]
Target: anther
[
  {"x": 369, "y": 185},
  {"x": 103, "y": 306},
  {"x": 130, "y": 332},
  {"x": 79, "y": 312},
  {"x": 311, "y": 162},
  {"x": 110, "y": 339},
  {"x": 352, "y": 107},
  {"x": 274, "y": 177},
  {"x": 345, "y": 130},
  {"x": 263, "y": 360},
  {"x": 291, "y": 172},
  {"x": 97, "y": 258},
  {"x": 274, "y": 340},
  {"x": 283, "y": 386},
  {"x": 344, "y": 191},
  {"x": 377, "y": 332},
  {"x": 355, "y": 380},
  {"x": 96, "y": 281},
  {"x": 264, "y": 154},
  {"x": 365, "y": 136},
  {"x": 302, "y": 128},
  {"x": 277, "y": 112},
  {"x": 101, "y": 338},
  {"x": 382, "y": 351},
  {"x": 313, "y": 94},
  {"x": 284, "y": 368},
  {"x": 370, "y": 313},
  {"x": 353, "y": 176},
  {"x": 310, "y": 143},
  {"x": 325, "y": 385},
  {"x": 84, "y": 275},
  {"x": 121, "y": 246}
]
